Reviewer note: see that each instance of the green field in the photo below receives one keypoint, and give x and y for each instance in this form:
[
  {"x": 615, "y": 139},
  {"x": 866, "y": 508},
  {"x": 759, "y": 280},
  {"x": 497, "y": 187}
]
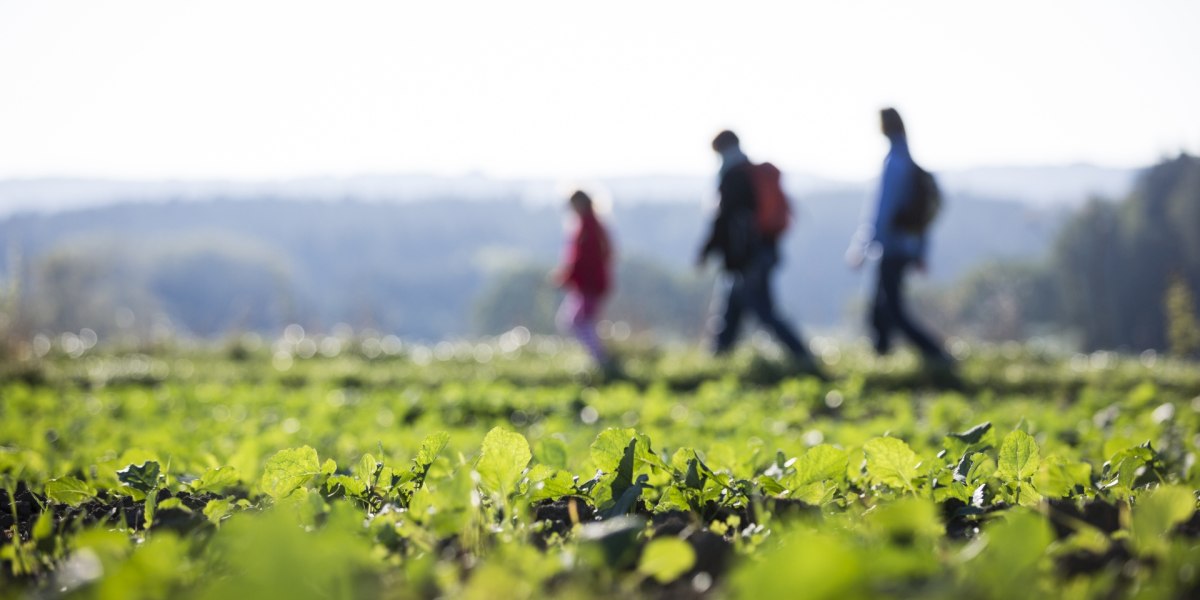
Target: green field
[{"x": 504, "y": 470}]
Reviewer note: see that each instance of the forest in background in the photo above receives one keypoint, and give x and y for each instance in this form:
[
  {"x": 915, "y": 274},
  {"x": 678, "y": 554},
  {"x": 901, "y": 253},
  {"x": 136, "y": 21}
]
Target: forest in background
[{"x": 439, "y": 267}]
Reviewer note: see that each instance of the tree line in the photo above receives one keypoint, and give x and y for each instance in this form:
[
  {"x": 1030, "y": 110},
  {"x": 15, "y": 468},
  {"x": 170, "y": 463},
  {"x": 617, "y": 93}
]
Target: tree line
[{"x": 1121, "y": 274}]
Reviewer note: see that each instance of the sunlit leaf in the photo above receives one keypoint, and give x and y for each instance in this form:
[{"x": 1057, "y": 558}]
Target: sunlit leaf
[
  {"x": 552, "y": 452},
  {"x": 43, "y": 528},
  {"x": 353, "y": 486},
  {"x": 217, "y": 479},
  {"x": 1019, "y": 457},
  {"x": 69, "y": 490},
  {"x": 174, "y": 504},
  {"x": 891, "y": 462},
  {"x": 368, "y": 465},
  {"x": 218, "y": 509},
  {"x": 504, "y": 457},
  {"x": 549, "y": 483},
  {"x": 821, "y": 463},
  {"x": 982, "y": 467},
  {"x": 807, "y": 565},
  {"x": 609, "y": 447},
  {"x": 289, "y": 469},
  {"x": 143, "y": 478},
  {"x": 1157, "y": 513},
  {"x": 1016, "y": 545},
  {"x": 1058, "y": 477},
  {"x": 666, "y": 558}
]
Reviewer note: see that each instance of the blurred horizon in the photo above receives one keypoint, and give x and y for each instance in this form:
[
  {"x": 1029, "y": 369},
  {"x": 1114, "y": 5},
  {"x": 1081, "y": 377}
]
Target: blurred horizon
[{"x": 1039, "y": 186}]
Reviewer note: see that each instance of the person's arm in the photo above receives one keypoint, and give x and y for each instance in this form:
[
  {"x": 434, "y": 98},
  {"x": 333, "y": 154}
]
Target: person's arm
[
  {"x": 728, "y": 195},
  {"x": 893, "y": 190}
]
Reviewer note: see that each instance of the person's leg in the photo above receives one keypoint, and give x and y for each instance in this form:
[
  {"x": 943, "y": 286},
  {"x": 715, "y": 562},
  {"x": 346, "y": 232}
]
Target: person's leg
[
  {"x": 881, "y": 320},
  {"x": 893, "y": 286},
  {"x": 730, "y": 323},
  {"x": 583, "y": 324},
  {"x": 564, "y": 319},
  {"x": 760, "y": 302}
]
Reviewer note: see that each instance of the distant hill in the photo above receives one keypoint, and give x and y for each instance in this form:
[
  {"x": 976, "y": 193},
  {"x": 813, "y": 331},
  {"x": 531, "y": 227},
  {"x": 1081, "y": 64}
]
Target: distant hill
[
  {"x": 1069, "y": 185},
  {"x": 416, "y": 268},
  {"x": 1041, "y": 186}
]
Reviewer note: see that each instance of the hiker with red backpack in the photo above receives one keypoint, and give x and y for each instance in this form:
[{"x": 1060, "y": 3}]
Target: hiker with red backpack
[
  {"x": 751, "y": 216},
  {"x": 908, "y": 202}
]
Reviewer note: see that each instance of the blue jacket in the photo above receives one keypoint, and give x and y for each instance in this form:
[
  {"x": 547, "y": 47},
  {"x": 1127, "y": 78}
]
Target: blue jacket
[{"x": 894, "y": 189}]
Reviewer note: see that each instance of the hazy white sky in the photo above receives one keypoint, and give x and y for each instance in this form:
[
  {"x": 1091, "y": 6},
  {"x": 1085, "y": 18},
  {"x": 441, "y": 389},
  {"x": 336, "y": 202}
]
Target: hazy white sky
[{"x": 263, "y": 89}]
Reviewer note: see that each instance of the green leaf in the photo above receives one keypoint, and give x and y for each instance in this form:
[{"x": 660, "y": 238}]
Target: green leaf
[
  {"x": 962, "y": 468},
  {"x": 150, "y": 509},
  {"x": 672, "y": 498},
  {"x": 628, "y": 500},
  {"x": 368, "y": 467},
  {"x": 1058, "y": 477},
  {"x": 504, "y": 457},
  {"x": 69, "y": 490},
  {"x": 806, "y": 564},
  {"x": 891, "y": 462},
  {"x": 43, "y": 528},
  {"x": 821, "y": 463},
  {"x": 907, "y": 519},
  {"x": 1126, "y": 464},
  {"x": 981, "y": 468},
  {"x": 815, "y": 493},
  {"x": 666, "y": 558},
  {"x": 304, "y": 504},
  {"x": 289, "y": 469},
  {"x": 609, "y": 448},
  {"x": 972, "y": 440},
  {"x": 218, "y": 509},
  {"x": 692, "y": 478},
  {"x": 623, "y": 476},
  {"x": 1019, "y": 457},
  {"x": 549, "y": 483},
  {"x": 552, "y": 452},
  {"x": 217, "y": 479},
  {"x": 352, "y": 485},
  {"x": 174, "y": 503},
  {"x": 143, "y": 478},
  {"x": 1016, "y": 544},
  {"x": 431, "y": 447},
  {"x": 769, "y": 485},
  {"x": 974, "y": 434},
  {"x": 1157, "y": 513}
]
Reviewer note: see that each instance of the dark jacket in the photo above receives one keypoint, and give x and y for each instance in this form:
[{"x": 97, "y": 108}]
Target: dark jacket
[{"x": 734, "y": 234}]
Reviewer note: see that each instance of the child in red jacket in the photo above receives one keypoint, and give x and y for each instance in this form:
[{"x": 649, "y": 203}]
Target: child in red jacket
[{"x": 585, "y": 275}]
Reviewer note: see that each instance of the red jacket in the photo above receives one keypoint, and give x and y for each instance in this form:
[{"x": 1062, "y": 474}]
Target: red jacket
[{"x": 586, "y": 267}]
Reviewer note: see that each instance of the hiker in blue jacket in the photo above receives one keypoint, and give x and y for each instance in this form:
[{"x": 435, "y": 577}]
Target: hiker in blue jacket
[
  {"x": 896, "y": 248},
  {"x": 748, "y": 256}
]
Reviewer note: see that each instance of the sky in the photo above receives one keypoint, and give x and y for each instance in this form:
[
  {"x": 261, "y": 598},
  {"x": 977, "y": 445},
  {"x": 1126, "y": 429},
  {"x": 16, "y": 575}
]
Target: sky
[{"x": 277, "y": 89}]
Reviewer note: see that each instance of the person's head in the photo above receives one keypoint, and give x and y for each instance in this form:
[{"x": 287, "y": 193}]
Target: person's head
[
  {"x": 725, "y": 140},
  {"x": 580, "y": 202},
  {"x": 891, "y": 123}
]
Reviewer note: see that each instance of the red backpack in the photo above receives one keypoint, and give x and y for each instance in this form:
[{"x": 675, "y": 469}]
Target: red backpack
[{"x": 772, "y": 214}]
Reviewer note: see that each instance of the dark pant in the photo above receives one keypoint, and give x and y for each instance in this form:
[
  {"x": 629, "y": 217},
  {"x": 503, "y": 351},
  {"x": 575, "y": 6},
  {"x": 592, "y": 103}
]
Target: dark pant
[
  {"x": 750, "y": 290},
  {"x": 888, "y": 312}
]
